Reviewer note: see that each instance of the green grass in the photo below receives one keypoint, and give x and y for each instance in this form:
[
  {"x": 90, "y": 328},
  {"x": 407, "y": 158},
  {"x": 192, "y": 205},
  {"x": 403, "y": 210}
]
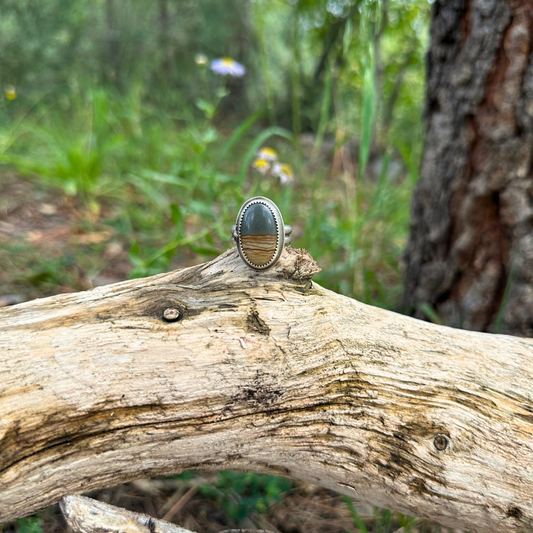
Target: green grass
[
  {"x": 240, "y": 494},
  {"x": 30, "y": 525},
  {"x": 175, "y": 184}
]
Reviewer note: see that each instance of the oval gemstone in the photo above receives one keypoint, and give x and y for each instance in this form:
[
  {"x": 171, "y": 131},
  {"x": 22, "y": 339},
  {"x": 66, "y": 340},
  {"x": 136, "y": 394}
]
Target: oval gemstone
[{"x": 259, "y": 234}]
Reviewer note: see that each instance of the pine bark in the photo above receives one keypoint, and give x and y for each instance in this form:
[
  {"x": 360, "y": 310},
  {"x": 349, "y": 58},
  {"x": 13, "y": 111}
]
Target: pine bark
[
  {"x": 470, "y": 253},
  {"x": 220, "y": 367}
]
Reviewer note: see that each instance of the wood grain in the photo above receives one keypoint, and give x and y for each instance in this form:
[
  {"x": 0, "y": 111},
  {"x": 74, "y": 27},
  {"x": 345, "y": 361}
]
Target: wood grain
[
  {"x": 265, "y": 372},
  {"x": 85, "y": 515}
]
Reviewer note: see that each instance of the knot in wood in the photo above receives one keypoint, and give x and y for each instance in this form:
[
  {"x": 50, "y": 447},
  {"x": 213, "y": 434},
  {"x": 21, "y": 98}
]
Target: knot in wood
[
  {"x": 171, "y": 314},
  {"x": 255, "y": 324},
  {"x": 440, "y": 442}
]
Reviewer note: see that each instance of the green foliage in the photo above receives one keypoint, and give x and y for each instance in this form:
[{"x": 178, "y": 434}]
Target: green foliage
[
  {"x": 290, "y": 48},
  {"x": 384, "y": 521},
  {"x": 112, "y": 110},
  {"x": 240, "y": 494},
  {"x": 178, "y": 162},
  {"x": 30, "y": 525}
]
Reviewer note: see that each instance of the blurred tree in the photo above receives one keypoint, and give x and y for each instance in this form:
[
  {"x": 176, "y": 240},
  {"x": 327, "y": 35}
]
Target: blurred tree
[
  {"x": 164, "y": 22},
  {"x": 112, "y": 72},
  {"x": 305, "y": 59},
  {"x": 470, "y": 253}
]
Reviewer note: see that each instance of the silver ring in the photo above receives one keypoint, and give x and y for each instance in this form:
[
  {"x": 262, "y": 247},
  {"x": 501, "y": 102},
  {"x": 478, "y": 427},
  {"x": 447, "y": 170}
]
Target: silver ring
[{"x": 260, "y": 234}]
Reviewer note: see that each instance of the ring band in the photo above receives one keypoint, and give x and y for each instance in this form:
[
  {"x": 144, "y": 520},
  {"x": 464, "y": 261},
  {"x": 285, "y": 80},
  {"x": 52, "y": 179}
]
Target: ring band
[{"x": 260, "y": 233}]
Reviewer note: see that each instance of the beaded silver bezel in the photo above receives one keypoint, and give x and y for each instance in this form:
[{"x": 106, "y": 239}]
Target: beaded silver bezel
[{"x": 280, "y": 233}]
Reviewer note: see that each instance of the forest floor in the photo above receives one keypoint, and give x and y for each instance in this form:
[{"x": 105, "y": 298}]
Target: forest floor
[{"x": 52, "y": 244}]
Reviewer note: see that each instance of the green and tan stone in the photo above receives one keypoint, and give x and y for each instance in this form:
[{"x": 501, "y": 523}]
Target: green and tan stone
[{"x": 259, "y": 234}]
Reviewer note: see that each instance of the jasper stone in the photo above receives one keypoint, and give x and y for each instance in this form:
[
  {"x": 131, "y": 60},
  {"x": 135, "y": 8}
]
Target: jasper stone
[
  {"x": 258, "y": 233},
  {"x": 258, "y": 220}
]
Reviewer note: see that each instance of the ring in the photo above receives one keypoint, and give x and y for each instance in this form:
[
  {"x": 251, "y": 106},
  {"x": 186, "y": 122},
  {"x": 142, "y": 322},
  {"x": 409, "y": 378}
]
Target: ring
[{"x": 259, "y": 233}]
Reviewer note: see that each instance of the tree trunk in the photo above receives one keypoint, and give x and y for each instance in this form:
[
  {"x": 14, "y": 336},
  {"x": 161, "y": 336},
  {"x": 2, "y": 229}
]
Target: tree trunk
[
  {"x": 220, "y": 367},
  {"x": 470, "y": 252}
]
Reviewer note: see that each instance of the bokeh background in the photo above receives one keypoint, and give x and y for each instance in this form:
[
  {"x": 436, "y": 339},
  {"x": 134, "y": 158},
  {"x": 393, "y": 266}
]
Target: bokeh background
[{"x": 126, "y": 150}]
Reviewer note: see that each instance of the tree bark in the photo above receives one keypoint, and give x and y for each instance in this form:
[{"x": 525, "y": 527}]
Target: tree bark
[
  {"x": 221, "y": 367},
  {"x": 471, "y": 245}
]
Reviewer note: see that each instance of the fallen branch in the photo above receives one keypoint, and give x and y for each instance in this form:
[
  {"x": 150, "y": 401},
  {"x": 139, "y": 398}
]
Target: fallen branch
[
  {"x": 220, "y": 367},
  {"x": 85, "y": 515}
]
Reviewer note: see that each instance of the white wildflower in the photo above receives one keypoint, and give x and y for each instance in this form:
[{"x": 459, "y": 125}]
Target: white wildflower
[
  {"x": 283, "y": 172},
  {"x": 226, "y": 66}
]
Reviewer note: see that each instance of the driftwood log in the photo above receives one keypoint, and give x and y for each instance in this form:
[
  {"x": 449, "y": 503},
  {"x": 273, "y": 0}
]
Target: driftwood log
[
  {"x": 85, "y": 515},
  {"x": 220, "y": 367}
]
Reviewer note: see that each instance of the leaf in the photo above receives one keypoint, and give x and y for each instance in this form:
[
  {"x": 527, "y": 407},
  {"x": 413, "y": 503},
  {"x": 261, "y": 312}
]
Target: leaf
[
  {"x": 347, "y": 37},
  {"x": 163, "y": 178},
  {"x": 207, "y": 107},
  {"x": 203, "y": 250},
  {"x": 367, "y": 122},
  {"x": 221, "y": 92},
  {"x": 431, "y": 313},
  {"x": 175, "y": 214},
  {"x": 209, "y": 136},
  {"x": 242, "y": 129},
  {"x": 174, "y": 245},
  {"x": 135, "y": 249},
  {"x": 324, "y": 113}
]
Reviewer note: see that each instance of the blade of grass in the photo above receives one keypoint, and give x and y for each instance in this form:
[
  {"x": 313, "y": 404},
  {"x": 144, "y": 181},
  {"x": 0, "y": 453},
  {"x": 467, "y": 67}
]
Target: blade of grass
[
  {"x": 369, "y": 87},
  {"x": 260, "y": 32},
  {"x": 501, "y": 311},
  {"x": 324, "y": 113},
  {"x": 374, "y": 206},
  {"x": 295, "y": 74},
  {"x": 355, "y": 515},
  {"x": 173, "y": 245},
  {"x": 367, "y": 121},
  {"x": 242, "y": 129},
  {"x": 431, "y": 313}
]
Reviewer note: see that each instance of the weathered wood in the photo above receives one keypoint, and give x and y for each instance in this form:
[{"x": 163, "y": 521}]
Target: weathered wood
[
  {"x": 85, "y": 515},
  {"x": 264, "y": 372}
]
